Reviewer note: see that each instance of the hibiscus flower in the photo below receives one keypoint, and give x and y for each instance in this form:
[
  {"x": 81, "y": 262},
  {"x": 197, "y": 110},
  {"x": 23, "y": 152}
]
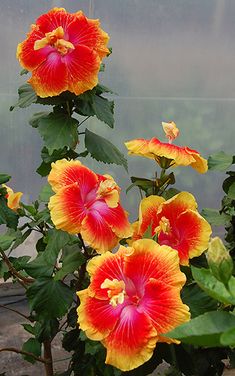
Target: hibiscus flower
[
  {"x": 167, "y": 154},
  {"x": 132, "y": 300},
  {"x": 176, "y": 222},
  {"x": 13, "y": 198},
  {"x": 64, "y": 52},
  {"x": 88, "y": 204}
]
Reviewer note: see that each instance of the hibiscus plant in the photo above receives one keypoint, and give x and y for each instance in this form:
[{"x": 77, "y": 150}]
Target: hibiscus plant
[{"x": 123, "y": 298}]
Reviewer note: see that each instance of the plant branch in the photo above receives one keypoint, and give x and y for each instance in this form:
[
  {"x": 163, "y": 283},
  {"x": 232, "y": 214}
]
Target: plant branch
[
  {"x": 22, "y": 280},
  {"x": 17, "y": 351},
  {"x": 19, "y": 313},
  {"x": 48, "y": 357}
]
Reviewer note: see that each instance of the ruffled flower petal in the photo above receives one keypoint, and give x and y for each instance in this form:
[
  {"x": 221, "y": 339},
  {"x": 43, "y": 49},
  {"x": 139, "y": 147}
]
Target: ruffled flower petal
[
  {"x": 50, "y": 77},
  {"x": 140, "y": 147},
  {"x": 107, "y": 266},
  {"x": 148, "y": 210},
  {"x": 132, "y": 341},
  {"x": 97, "y": 233},
  {"x": 96, "y": 317},
  {"x": 87, "y": 32},
  {"x": 54, "y": 18},
  {"x": 83, "y": 65},
  {"x": 164, "y": 306},
  {"x": 173, "y": 207},
  {"x": 150, "y": 260},
  {"x": 170, "y": 151},
  {"x": 192, "y": 238},
  {"x": 64, "y": 172},
  {"x": 116, "y": 218},
  {"x": 28, "y": 57},
  {"x": 200, "y": 164},
  {"x": 67, "y": 209}
]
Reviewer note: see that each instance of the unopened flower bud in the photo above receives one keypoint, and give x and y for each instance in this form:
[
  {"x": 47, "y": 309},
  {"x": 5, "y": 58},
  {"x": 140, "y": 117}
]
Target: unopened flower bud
[{"x": 219, "y": 260}]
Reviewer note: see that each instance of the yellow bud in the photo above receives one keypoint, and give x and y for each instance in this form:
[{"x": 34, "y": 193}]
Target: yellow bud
[{"x": 219, "y": 260}]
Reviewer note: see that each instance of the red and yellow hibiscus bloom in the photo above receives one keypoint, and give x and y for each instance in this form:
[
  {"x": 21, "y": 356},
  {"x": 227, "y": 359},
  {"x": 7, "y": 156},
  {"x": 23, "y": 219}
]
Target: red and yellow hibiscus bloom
[
  {"x": 88, "y": 204},
  {"x": 167, "y": 154},
  {"x": 64, "y": 52},
  {"x": 132, "y": 300},
  {"x": 13, "y": 198},
  {"x": 176, "y": 222}
]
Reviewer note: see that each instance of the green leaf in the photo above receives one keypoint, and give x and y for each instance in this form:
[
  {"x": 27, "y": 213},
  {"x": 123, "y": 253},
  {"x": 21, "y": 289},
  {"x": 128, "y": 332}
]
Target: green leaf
[
  {"x": 169, "y": 193},
  {"x": 204, "y": 330},
  {"x": 197, "y": 300},
  {"x": 57, "y": 100},
  {"x": 228, "y": 337},
  {"x": 214, "y": 217},
  {"x": 92, "y": 347},
  {"x": 4, "y": 178},
  {"x": 56, "y": 240},
  {"x": 231, "y": 191},
  {"x": 58, "y": 130},
  {"x": 6, "y": 241},
  {"x": 45, "y": 166},
  {"x": 32, "y": 346},
  {"x": 142, "y": 183},
  {"x": 48, "y": 298},
  {"x": 91, "y": 103},
  {"x": 29, "y": 328},
  {"x": 23, "y": 71},
  {"x": 34, "y": 120},
  {"x": 4, "y": 271},
  {"x": 104, "y": 109},
  {"x": 19, "y": 262},
  {"x": 71, "y": 340},
  {"x": 100, "y": 89},
  {"x": 7, "y": 216},
  {"x": 27, "y": 96},
  {"x": 57, "y": 154},
  {"x": 39, "y": 267},
  {"x": 71, "y": 262},
  {"x": 21, "y": 238},
  {"x": 45, "y": 193},
  {"x": 72, "y": 317},
  {"x": 103, "y": 150},
  {"x": 44, "y": 169},
  {"x": 47, "y": 329},
  {"x": 220, "y": 161},
  {"x": 212, "y": 286}
]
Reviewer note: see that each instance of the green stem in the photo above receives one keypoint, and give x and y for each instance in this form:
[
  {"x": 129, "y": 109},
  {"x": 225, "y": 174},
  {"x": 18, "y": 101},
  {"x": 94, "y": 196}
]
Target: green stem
[
  {"x": 163, "y": 172},
  {"x": 68, "y": 108},
  {"x": 21, "y": 279}
]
